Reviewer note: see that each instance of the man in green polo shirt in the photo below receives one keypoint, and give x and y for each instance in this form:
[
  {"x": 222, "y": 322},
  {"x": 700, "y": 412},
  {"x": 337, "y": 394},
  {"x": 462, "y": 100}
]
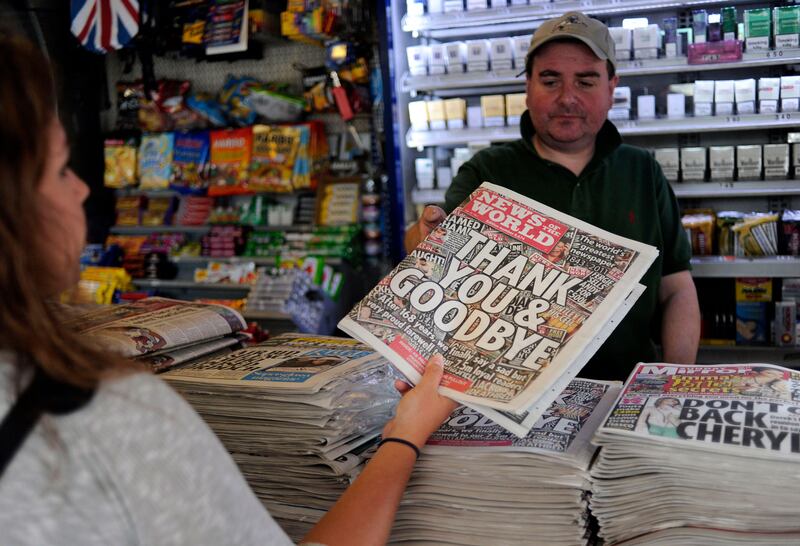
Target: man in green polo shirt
[{"x": 572, "y": 159}]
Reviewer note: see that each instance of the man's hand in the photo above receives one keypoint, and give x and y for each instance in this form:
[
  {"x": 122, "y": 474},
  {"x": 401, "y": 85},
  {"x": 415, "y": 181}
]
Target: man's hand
[{"x": 431, "y": 217}]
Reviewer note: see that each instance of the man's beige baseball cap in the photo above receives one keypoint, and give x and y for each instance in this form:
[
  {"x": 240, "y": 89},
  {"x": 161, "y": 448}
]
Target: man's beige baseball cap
[{"x": 576, "y": 26}]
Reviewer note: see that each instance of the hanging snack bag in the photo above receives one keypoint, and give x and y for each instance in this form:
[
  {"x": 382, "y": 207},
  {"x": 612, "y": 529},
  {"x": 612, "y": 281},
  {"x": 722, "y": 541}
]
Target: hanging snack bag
[
  {"x": 120, "y": 162},
  {"x": 274, "y": 154},
  {"x": 155, "y": 161},
  {"x": 206, "y": 106},
  {"x": 230, "y": 161},
  {"x": 190, "y": 162},
  {"x": 130, "y": 96}
]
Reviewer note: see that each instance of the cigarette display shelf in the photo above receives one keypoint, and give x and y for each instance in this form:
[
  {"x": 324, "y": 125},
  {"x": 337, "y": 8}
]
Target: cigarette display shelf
[
  {"x": 729, "y": 266},
  {"x": 683, "y": 190},
  {"x": 514, "y": 18},
  {"x": 474, "y": 80},
  {"x": 725, "y": 189},
  {"x": 641, "y": 127}
]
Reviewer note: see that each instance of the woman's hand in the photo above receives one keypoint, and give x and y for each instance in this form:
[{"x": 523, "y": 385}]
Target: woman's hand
[{"x": 422, "y": 409}]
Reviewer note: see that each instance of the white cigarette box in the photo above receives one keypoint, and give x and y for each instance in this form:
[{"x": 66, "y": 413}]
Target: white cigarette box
[
  {"x": 521, "y": 45},
  {"x": 646, "y": 42},
  {"x": 623, "y": 42},
  {"x": 669, "y": 160},
  {"x": 776, "y": 161},
  {"x": 502, "y": 53},
  {"x": 455, "y": 56},
  {"x": 745, "y": 95},
  {"x": 477, "y": 55},
  {"x": 721, "y": 162},
  {"x": 748, "y": 162},
  {"x": 437, "y": 59},
  {"x": 676, "y": 105},
  {"x": 418, "y": 59},
  {"x": 418, "y": 115},
  {"x": 693, "y": 164}
]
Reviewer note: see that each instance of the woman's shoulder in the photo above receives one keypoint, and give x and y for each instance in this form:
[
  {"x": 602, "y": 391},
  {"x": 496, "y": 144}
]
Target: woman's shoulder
[{"x": 136, "y": 402}]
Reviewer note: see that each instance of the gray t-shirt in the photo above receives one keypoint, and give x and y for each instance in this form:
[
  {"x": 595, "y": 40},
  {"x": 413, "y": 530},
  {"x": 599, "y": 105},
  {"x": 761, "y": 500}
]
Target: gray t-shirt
[{"x": 136, "y": 466}]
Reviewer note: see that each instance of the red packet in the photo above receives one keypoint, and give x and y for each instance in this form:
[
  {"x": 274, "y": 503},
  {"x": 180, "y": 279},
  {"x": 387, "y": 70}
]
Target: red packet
[{"x": 230, "y": 161}]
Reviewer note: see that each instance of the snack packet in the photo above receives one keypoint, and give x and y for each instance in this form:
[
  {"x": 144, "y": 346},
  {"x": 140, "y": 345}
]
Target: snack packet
[
  {"x": 230, "y": 161},
  {"x": 155, "y": 160},
  {"x": 274, "y": 153},
  {"x": 190, "y": 162},
  {"x": 120, "y": 162}
]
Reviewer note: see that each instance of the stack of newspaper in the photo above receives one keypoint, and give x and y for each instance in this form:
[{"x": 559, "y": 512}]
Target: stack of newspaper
[
  {"x": 701, "y": 455},
  {"x": 296, "y": 412},
  {"x": 161, "y": 332},
  {"x": 515, "y": 295},
  {"x": 477, "y": 484}
]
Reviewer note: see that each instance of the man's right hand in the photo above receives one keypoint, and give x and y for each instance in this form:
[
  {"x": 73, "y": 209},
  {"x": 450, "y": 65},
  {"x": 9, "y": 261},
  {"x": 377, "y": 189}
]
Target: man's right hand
[{"x": 431, "y": 217}]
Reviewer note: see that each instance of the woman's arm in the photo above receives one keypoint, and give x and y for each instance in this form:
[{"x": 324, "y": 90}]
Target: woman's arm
[{"x": 365, "y": 513}]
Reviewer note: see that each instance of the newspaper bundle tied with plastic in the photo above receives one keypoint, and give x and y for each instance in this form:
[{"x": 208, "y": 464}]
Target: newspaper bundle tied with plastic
[
  {"x": 476, "y": 483},
  {"x": 515, "y": 295},
  {"x": 701, "y": 455},
  {"x": 296, "y": 412}
]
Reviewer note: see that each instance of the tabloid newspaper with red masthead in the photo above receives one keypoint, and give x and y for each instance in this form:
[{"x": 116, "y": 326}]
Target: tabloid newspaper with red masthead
[{"x": 515, "y": 295}]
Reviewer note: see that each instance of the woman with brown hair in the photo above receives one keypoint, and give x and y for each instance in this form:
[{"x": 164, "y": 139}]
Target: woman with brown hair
[{"x": 94, "y": 450}]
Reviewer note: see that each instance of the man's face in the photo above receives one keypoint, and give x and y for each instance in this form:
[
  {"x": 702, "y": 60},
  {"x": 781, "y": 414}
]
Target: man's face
[{"x": 568, "y": 95}]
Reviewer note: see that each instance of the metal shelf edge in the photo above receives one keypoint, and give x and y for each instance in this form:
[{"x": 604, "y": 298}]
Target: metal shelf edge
[
  {"x": 626, "y": 68},
  {"x": 726, "y": 267},
  {"x": 470, "y": 21},
  {"x": 736, "y": 122}
]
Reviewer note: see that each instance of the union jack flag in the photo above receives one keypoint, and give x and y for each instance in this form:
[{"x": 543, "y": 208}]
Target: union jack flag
[{"x": 104, "y": 25}]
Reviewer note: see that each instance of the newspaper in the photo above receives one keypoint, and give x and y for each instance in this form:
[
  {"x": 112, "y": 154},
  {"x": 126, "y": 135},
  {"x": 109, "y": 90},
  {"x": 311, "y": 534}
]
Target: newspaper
[
  {"x": 566, "y": 427},
  {"x": 744, "y": 409},
  {"x": 165, "y": 360},
  {"x": 509, "y": 291},
  {"x": 520, "y": 424},
  {"x": 154, "y": 325},
  {"x": 296, "y": 365},
  {"x": 475, "y": 483}
]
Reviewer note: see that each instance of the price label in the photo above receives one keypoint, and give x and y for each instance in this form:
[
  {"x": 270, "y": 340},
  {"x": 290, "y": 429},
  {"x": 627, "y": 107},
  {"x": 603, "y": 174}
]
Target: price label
[
  {"x": 727, "y": 185},
  {"x": 774, "y": 54},
  {"x": 627, "y": 124},
  {"x": 733, "y": 119},
  {"x": 783, "y": 116}
]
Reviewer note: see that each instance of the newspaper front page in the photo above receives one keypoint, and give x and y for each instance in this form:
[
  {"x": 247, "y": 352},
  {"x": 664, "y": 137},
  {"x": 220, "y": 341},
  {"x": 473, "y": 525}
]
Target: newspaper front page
[
  {"x": 566, "y": 427},
  {"x": 291, "y": 366},
  {"x": 745, "y": 409},
  {"x": 152, "y": 325},
  {"x": 509, "y": 291}
]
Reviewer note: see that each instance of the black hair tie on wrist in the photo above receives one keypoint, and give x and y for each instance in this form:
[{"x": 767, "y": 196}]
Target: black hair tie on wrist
[{"x": 400, "y": 441}]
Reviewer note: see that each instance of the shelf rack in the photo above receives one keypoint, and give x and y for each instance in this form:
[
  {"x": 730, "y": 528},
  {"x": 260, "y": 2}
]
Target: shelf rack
[
  {"x": 496, "y": 78},
  {"x": 729, "y": 266},
  {"x": 519, "y": 18},
  {"x": 642, "y": 127}
]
